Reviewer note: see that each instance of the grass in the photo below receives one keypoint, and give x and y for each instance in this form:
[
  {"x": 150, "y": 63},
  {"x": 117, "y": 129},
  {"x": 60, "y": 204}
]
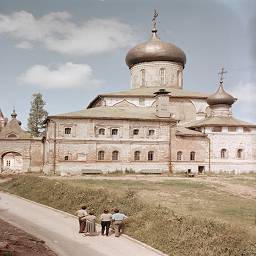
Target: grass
[{"x": 170, "y": 221}]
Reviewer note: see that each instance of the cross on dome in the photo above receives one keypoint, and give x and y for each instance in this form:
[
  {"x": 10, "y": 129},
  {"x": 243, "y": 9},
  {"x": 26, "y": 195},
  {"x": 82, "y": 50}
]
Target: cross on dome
[
  {"x": 221, "y": 73},
  {"x": 154, "y": 29}
]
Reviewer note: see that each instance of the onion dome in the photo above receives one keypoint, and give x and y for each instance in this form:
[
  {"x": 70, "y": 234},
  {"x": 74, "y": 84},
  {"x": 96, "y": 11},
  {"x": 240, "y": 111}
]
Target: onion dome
[
  {"x": 155, "y": 50},
  {"x": 221, "y": 97},
  {"x": 14, "y": 115}
]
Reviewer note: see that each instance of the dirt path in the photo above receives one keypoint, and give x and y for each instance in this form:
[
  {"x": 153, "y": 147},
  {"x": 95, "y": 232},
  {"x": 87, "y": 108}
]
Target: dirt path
[
  {"x": 16, "y": 242},
  {"x": 59, "y": 230}
]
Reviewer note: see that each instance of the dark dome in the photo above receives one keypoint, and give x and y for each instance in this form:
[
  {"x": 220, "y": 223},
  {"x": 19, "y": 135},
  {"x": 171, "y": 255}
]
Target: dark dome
[
  {"x": 155, "y": 50},
  {"x": 221, "y": 97}
]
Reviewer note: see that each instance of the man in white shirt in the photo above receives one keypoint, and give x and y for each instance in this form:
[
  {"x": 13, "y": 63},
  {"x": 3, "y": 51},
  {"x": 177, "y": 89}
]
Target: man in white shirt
[
  {"x": 118, "y": 221},
  {"x": 81, "y": 214}
]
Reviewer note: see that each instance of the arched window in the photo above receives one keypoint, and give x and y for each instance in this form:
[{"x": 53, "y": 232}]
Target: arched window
[
  {"x": 239, "y": 153},
  {"x": 179, "y": 155},
  {"x": 143, "y": 74},
  {"x": 115, "y": 155},
  {"x": 101, "y": 155},
  {"x": 114, "y": 131},
  {"x": 68, "y": 130},
  {"x": 135, "y": 131},
  {"x": 192, "y": 155},
  {"x": 137, "y": 155},
  {"x": 150, "y": 156},
  {"x": 65, "y": 158},
  {"x": 102, "y": 131},
  {"x": 162, "y": 76},
  {"x": 223, "y": 153},
  {"x": 13, "y": 136}
]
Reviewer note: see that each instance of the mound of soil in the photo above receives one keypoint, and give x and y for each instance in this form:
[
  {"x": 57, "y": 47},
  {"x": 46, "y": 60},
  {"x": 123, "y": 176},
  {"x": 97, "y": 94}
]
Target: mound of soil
[{"x": 16, "y": 242}]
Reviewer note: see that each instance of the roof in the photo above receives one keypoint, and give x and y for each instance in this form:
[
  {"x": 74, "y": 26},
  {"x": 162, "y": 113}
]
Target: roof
[
  {"x": 113, "y": 113},
  {"x": 220, "y": 121},
  {"x": 13, "y": 128},
  {"x": 149, "y": 92},
  {"x": 183, "y": 131}
]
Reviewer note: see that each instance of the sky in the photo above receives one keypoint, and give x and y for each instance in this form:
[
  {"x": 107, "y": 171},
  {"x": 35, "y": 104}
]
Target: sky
[{"x": 71, "y": 51}]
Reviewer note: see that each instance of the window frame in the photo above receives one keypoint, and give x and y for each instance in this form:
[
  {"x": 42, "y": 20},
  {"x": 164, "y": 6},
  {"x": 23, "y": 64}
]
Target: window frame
[
  {"x": 150, "y": 155},
  {"x": 179, "y": 155},
  {"x": 67, "y": 130},
  {"x": 112, "y": 131},
  {"x": 101, "y": 155},
  {"x": 100, "y": 131},
  {"x": 192, "y": 156},
  {"x": 115, "y": 155},
  {"x": 136, "y": 155}
]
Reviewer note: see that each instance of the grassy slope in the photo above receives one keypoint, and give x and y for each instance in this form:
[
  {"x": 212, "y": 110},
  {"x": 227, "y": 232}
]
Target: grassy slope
[{"x": 155, "y": 224}]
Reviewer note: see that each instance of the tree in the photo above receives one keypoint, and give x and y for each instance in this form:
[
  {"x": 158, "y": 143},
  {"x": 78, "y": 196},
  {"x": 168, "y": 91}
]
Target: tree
[{"x": 37, "y": 115}]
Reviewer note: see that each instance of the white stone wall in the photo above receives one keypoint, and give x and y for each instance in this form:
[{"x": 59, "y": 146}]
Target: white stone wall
[
  {"x": 173, "y": 74},
  {"x": 232, "y": 141}
]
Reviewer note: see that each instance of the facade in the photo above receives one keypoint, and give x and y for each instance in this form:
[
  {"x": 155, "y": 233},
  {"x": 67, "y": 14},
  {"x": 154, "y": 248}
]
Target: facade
[{"x": 155, "y": 127}]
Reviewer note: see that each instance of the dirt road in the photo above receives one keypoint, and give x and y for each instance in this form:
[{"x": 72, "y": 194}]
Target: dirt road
[{"x": 59, "y": 230}]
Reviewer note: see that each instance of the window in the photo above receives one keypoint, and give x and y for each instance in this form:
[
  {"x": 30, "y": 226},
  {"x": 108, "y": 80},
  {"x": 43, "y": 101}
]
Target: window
[
  {"x": 239, "y": 153},
  {"x": 179, "y": 155},
  {"x": 141, "y": 101},
  {"x": 115, "y": 155},
  {"x": 12, "y": 136},
  {"x": 8, "y": 163},
  {"x": 192, "y": 156},
  {"x": 223, "y": 153},
  {"x": 101, "y": 155},
  {"x": 102, "y": 131},
  {"x": 135, "y": 131},
  {"x": 246, "y": 129},
  {"x": 231, "y": 129},
  {"x": 162, "y": 76},
  {"x": 67, "y": 130},
  {"x": 114, "y": 131},
  {"x": 217, "y": 129},
  {"x": 137, "y": 155},
  {"x": 151, "y": 132},
  {"x": 66, "y": 158},
  {"x": 150, "y": 156},
  {"x": 143, "y": 72}
]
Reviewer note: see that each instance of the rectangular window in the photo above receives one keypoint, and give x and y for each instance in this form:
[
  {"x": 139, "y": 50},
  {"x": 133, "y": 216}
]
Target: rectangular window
[
  {"x": 151, "y": 132},
  {"x": 246, "y": 129},
  {"x": 114, "y": 131},
  {"x": 135, "y": 131},
  {"x": 231, "y": 129},
  {"x": 217, "y": 129},
  {"x": 68, "y": 130}
]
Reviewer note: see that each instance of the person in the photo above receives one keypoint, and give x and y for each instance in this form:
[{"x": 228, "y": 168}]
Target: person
[
  {"x": 118, "y": 221},
  {"x": 81, "y": 214},
  {"x": 90, "y": 228},
  {"x": 105, "y": 219}
]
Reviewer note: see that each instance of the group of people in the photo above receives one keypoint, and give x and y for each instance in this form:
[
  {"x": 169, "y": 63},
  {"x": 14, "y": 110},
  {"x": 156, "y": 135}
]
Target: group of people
[{"x": 87, "y": 221}]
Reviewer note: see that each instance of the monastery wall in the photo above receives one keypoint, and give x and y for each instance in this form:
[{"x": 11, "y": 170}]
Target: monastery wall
[{"x": 80, "y": 149}]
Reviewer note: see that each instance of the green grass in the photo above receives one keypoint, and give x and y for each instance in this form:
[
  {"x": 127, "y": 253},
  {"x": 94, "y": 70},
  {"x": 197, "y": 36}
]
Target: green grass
[{"x": 180, "y": 231}]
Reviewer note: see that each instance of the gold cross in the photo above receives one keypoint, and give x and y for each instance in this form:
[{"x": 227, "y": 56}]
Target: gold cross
[{"x": 221, "y": 73}]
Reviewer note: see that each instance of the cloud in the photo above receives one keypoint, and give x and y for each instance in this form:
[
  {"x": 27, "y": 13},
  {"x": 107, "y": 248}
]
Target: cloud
[
  {"x": 68, "y": 75},
  {"x": 57, "y": 32},
  {"x": 245, "y": 92},
  {"x": 245, "y": 105}
]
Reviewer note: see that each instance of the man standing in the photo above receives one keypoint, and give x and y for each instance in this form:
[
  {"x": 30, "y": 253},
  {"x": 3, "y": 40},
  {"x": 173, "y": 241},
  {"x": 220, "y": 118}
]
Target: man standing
[
  {"x": 81, "y": 214},
  {"x": 118, "y": 221}
]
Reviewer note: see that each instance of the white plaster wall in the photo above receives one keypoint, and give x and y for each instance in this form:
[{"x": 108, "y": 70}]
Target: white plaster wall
[{"x": 173, "y": 74}]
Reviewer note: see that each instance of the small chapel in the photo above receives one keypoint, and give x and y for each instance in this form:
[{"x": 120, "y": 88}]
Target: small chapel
[{"x": 154, "y": 127}]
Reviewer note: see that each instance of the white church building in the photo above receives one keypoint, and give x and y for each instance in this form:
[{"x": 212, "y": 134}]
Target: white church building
[{"x": 154, "y": 127}]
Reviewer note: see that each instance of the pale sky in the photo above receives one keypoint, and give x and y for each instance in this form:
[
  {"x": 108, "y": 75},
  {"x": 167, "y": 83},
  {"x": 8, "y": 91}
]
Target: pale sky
[{"x": 70, "y": 51}]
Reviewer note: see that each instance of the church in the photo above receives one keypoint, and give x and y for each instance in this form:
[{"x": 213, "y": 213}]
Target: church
[{"x": 154, "y": 127}]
